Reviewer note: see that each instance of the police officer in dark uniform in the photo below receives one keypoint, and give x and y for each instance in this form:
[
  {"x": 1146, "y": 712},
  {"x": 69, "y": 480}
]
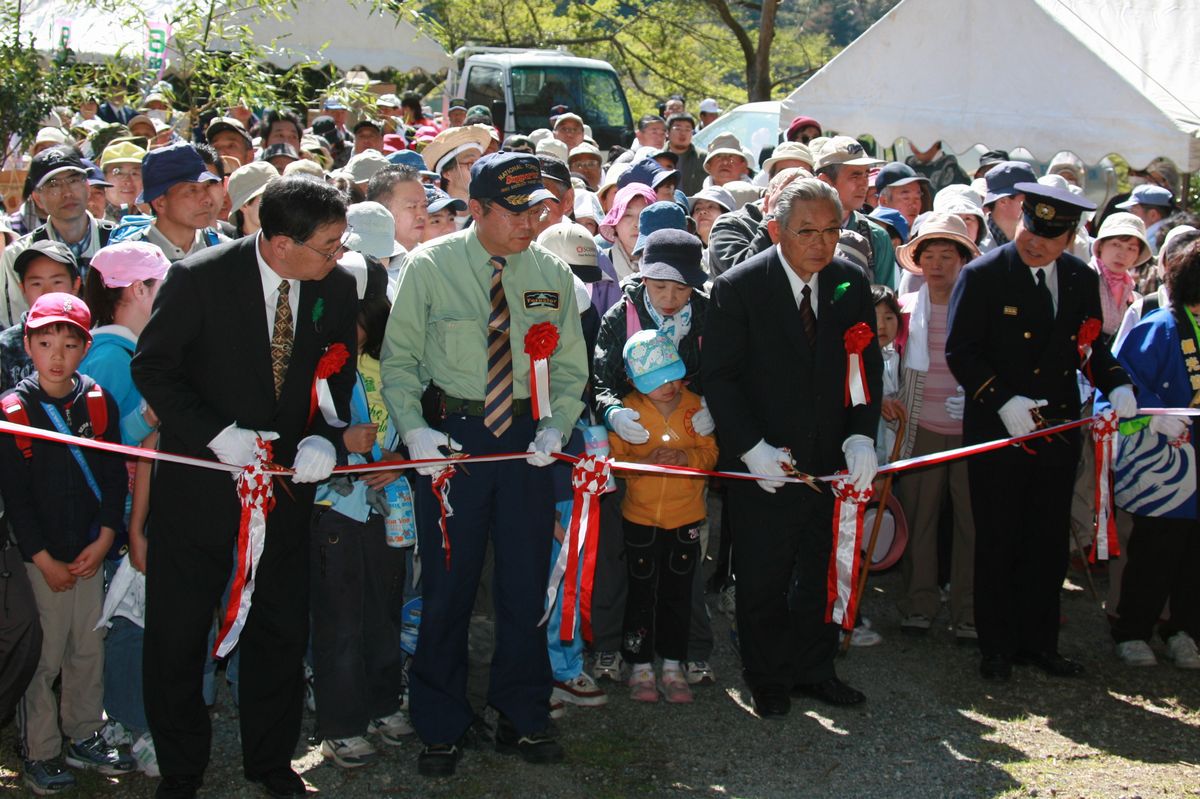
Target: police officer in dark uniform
[{"x": 1015, "y": 319}]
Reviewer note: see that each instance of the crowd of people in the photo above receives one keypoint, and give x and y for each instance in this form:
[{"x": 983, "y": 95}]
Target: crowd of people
[{"x": 492, "y": 294}]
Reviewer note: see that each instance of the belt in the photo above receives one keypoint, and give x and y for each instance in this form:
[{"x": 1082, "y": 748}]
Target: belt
[{"x": 466, "y": 407}]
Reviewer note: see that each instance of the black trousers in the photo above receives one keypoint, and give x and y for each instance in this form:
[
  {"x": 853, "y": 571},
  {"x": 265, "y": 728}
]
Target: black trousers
[
  {"x": 1160, "y": 562},
  {"x": 781, "y": 548},
  {"x": 356, "y": 581},
  {"x": 658, "y": 609},
  {"x": 20, "y": 631},
  {"x": 1021, "y": 504},
  {"x": 185, "y": 578}
]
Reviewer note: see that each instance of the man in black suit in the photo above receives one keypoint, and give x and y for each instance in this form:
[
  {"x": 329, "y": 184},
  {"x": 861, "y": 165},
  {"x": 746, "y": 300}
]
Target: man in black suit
[
  {"x": 1013, "y": 342},
  {"x": 229, "y": 355},
  {"x": 776, "y": 359}
]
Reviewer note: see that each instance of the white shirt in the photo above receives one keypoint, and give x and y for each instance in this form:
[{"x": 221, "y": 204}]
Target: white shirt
[
  {"x": 173, "y": 253},
  {"x": 1051, "y": 281},
  {"x": 270, "y": 285},
  {"x": 798, "y": 284}
]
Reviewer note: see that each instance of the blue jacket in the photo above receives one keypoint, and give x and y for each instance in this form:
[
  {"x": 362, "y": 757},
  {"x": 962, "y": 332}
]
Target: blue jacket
[{"x": 107, "y": 362}]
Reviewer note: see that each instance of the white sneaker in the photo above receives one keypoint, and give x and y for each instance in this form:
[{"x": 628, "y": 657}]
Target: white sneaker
[
  {"x": 608, "y": 666},
  {"x": 1182, "y": 650},
  {"x": 916, "y": 624},
  {"x": 1138, "y": 653},
  {"x": 310, "y": 693},
  {"x": 391, "y": 728},
  {"x": 558, "y": 708},
  {"x": 699, "y": 672},
  {"x": 115, "y": 733},
  {"x": 579, "y": 690},
  {"x": 864, "y": 636},
  {"x": 143, "y": 752},
  {"x": 349, "y": 752}
]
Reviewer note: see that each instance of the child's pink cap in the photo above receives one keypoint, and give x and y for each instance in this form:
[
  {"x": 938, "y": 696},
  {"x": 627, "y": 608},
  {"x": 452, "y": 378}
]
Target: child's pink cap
[
  {"x": 127, "y": 262},
  {"x": 60, "y": 307}
]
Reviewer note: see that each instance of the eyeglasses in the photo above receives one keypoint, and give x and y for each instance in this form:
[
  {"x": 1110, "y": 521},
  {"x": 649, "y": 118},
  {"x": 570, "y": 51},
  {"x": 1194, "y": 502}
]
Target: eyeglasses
[
  {"x": 688, "y": 128},
  {"x": 809, "y": 235},
  {"x": 328, "y": 256},
  {"x": 60, "y": 184},
  {"x": 117, "y": 173}
]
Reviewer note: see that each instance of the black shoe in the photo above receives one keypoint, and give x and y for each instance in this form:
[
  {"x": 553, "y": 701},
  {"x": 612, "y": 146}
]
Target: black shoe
[
  {"x": 1052, "y": 663},
  {"x": 282, "y": 783},
  {"x": 537, "y": 747},
  {"x": 832, "y": 692},
  {"x": 996, "y": 668},
  {"x": 771, "y": 703},
  {"x": 176, "y": 787},
  {"x": 438, "y": 760},
  {"x": 479, "y": 735}
]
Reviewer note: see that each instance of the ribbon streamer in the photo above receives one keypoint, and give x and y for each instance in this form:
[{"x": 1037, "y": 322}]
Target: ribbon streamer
[
  {"x": 331, "y": 362},
  {"x": 441, "y": 490},
  {"x": 1104, "y": 434},
  {"x": 589, "y": 479},
  {"x": 856, "y": 340},
  {"x": 256, "y": 493},
  {"x": 540, "y": 343},
  {"x": 846, "y": 558}
]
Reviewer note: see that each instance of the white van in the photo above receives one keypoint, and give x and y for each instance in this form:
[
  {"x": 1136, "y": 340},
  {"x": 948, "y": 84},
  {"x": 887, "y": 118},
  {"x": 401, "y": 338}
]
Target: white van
[{"x": 521, "y": 86}]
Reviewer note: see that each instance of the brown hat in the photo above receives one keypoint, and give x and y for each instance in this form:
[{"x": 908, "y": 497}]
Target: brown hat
[
  {"x": 936, "y": 226},
  {"x": 453, "y": 141}
]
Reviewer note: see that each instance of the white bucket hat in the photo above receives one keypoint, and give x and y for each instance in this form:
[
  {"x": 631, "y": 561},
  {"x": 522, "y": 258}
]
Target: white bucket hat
[{"x": 1123, "y": 223}]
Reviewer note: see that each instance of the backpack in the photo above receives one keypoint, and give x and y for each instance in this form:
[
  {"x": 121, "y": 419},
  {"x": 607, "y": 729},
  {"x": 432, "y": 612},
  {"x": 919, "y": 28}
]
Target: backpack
[{"x": 15, "y": 412}]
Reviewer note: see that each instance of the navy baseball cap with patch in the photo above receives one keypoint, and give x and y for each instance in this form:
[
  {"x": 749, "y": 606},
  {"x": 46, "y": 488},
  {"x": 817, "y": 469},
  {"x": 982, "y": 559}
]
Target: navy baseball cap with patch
[
  {"x": 439, "y": 200},
  {"x": 1002, "y": 179},
  {"x": 1050, "y": 211},
  {"x": 166, "y": 166},
  {"x": 514, "y": 180},
  {"x": 646, "y": 171},
  {"x": 897, "y": 174}
]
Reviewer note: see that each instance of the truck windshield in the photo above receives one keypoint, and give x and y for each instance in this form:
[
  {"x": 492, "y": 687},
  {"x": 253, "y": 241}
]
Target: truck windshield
[{"x": 594, "y": 94}]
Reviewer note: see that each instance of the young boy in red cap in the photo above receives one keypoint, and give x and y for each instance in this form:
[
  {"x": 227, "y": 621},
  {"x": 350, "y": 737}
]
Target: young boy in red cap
[{"x": 64, "y": 505}]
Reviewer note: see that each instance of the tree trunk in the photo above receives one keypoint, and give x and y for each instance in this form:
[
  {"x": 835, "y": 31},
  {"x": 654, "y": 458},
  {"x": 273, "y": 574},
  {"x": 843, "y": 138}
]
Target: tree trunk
[{"x": 759, "y": 88}]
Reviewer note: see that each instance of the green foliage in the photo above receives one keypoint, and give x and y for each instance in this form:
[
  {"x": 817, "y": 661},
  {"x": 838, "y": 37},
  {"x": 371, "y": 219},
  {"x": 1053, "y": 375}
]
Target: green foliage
[{"x": 29, "y": 87}]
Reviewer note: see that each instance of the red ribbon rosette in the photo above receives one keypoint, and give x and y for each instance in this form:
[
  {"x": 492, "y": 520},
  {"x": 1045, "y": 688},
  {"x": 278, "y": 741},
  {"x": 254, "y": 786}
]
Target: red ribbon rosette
[
  {"x": 1104, "y": 433},
  {"x": 1089, "y": 331},
  {"x": 856, "y": 339},
  {"x": 540, "y": 343},
  {"x": 331, "y": 362}
]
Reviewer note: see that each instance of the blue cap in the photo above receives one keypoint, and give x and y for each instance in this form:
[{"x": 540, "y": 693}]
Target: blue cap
[
  {"x": 162, "y": 168},
  {"x": 514, "y": 180},
  {"x": 1149, "y": 194},
  {"x": 334, "y": 104},
  {"x": 652, "y": 360},
  {"x": 893, "y": 219},
  {"x": 647, "y": 172},
  {"x": 407, "y": 158},
  {"x": 439, "y": 200},
  {"x": 673, "y": 255},
  {"x": 95, "y": 176},
  {"x": 897, "y": 174},
  {"x": 1050, "y": 211},
  {"x": 1003, "y": 177},
  {"x": 662, "y": 215}
]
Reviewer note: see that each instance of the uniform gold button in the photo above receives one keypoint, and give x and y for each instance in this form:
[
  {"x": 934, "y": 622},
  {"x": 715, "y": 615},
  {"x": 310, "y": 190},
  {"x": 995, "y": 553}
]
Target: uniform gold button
[
  {"x": 1028, "y": 334},
  {"x": 1072, "y": 338},
  {"x": 1037, "y": 371},
  {"x": 1066, "y": 372}
]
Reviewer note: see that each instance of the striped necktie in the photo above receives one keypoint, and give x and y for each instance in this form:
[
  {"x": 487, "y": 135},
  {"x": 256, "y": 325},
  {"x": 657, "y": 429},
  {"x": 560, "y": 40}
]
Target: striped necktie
[
  {"x": 497, "y": 403},
  {"x": 281, "y": 337},
  {"x": 807, "y": 316}
]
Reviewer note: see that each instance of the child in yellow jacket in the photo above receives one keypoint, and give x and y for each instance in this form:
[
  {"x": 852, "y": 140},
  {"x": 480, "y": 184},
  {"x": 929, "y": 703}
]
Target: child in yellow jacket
[{"x": 662, "y": 517}]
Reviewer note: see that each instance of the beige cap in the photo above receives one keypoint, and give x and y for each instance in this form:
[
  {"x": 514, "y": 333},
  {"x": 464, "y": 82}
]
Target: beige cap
[
  {"x": 789, "y": 151},
  {"x": 363, "y": 166},
  {"x": 1123, "y": 223},
  {"x": 567, "y": 117},
  {"x": 50, "y": 135},
  {"x": 453, "y": 141},
  {"x": 585, "y": 149},
  {"x": 553, "y": 148},
  {"x": 725, "y": 144},
  {"x": 305, "y": 166},
  {"x": 840, "y": 151},
  {"x": 935, "y": 225},
  {"x": 247, "y": 182}
]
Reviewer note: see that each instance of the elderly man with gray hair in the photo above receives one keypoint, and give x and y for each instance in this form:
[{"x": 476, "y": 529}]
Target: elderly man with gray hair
[{"x": 792, "y": 304}]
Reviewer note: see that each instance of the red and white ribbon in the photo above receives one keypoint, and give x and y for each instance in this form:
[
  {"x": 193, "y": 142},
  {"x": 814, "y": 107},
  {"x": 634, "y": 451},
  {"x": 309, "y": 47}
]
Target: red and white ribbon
[
  {"x": 441, "y": 490},
  {"x": 331, "y": 362},
  {"x": 540, "y": 343},
  {"x": 846, "y": 558},
  {"x": 256, "y": 493},
  {"x": 1104, "y": 434},
  {"x": 856, "y": 340},
  {"x": 589, "y": 479}
]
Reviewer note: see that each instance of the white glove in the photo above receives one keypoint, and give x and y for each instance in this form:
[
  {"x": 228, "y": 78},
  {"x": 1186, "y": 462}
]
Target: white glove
[
  {"x": 547, "y": 441},
  {"x": 702, "y": 421},
  {"x": 315, "y": 459},
  {"x": 1173, "y": 427},
  {"x": 624, "y": 422},
  {"x": 861, "y": 461},
  {"x": 1124, "y": 402},
  {"x": 767, "y": 460},
  {"x": 235, "y": 446},
  {"x": 1015, "y": 415},
  {"x": 956, "y": 405},
  {"x": 425, "y": 443}
]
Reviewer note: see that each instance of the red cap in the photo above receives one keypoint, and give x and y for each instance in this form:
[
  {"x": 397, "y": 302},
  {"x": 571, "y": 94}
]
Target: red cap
[
  {"x": 60, "y": 307},
  {"x": 799, "y": 123}
]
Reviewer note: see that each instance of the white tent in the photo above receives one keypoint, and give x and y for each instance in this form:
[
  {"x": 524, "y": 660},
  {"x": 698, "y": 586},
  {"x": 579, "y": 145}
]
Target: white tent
[
  {"x": 1090, "y": 76},
  {"x": 356, "y": 35}
]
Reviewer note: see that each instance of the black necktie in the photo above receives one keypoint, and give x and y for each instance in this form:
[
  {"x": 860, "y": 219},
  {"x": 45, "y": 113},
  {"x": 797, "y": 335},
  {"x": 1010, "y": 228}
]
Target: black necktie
[
  {"x": 1044, "y": 295},
  {"x": 807, "y": 316}
]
